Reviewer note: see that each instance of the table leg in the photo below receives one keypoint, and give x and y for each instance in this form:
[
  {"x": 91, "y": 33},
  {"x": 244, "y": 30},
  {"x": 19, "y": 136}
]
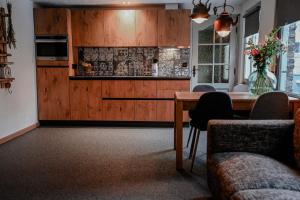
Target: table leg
[{"x": 178, "y": 131}]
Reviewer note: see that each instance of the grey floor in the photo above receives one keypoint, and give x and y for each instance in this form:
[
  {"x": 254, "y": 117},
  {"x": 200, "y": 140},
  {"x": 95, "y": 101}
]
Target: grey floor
[{"x": 99, "y": 163}]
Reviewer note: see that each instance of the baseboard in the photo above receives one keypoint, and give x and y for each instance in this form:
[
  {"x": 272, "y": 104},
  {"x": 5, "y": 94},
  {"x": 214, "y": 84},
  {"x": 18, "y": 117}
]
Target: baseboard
[{"x": 18, "y": 133}]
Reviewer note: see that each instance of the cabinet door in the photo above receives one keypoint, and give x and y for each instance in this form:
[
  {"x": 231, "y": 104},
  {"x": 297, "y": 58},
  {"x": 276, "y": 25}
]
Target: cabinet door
[
  {"x": 85, "y": 100},
  {"x": 118, "y": 110},
  {"x": 53, "y": 93},
  {"x": 51, "y": 21},
  {"x": 184, "y": 31},
  {"x": 145, "y": 89},
  {"x": 79, "y": 100},
  {"x": 119, "y": 28},
  {"x": 145, "y": 110},
  {"x": 146, "y": 27},
  {"x": 87, "y": 27},
  {"x": 173, "y": 28},
  {"x": 167, "y": 88},
  {"x": 118, "y": 89},
  {"x": 165, "y": 111}
]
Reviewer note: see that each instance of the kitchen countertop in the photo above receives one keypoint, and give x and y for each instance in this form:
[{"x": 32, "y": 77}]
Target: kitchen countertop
[{"x": 128, "y": 78}]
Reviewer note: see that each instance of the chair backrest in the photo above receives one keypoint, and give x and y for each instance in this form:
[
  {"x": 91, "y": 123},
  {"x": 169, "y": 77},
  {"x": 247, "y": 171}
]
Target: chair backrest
[
  {"x": 272, "y": 105},
  {"x": 212, "y": 105},
  {"x": 204, "y": 88},
  {"x": 240, "y": 88}
]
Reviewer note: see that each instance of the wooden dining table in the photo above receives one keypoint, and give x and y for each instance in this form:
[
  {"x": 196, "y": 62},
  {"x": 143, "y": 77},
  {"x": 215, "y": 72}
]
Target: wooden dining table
[{"x": 184, "y": 101}]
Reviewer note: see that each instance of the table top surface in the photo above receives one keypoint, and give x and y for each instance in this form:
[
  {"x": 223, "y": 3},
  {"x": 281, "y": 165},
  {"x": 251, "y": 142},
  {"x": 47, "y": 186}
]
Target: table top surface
[{"x": 235, "y": 96}]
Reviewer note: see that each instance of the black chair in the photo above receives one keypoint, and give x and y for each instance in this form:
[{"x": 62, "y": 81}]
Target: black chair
[
  {"x": 211, "y": 105},
  {"x": 272, "y": 105},
  {"x": 198, "y": 88}
]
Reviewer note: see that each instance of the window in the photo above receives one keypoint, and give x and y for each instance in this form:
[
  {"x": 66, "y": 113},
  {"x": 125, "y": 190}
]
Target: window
[
  {"x": 289, "y": 76},
  {"x": 213, "y": 57},
  {"x": 248, "y": 63}
]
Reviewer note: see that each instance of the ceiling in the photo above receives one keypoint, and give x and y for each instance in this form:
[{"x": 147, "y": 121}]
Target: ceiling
[{"x": 186, "y": 3}]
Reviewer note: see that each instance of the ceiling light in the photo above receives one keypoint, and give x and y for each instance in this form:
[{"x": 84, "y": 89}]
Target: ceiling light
[
  {"x": 223, "y": 24},
  {"x": 200, "y": 12}
]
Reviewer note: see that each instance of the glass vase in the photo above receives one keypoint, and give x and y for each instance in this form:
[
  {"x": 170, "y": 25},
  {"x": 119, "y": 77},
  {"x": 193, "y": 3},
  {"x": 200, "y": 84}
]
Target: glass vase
[{"x": 262, "y": 81}]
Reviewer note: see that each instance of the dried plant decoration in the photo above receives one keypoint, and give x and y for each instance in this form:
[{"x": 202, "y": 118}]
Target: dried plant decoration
[{"x": 11, "y": 41}]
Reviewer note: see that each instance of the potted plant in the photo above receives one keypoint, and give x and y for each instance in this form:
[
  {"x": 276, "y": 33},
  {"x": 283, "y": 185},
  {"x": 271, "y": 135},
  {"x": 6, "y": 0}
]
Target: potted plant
[{"x": 262, "y": 80}]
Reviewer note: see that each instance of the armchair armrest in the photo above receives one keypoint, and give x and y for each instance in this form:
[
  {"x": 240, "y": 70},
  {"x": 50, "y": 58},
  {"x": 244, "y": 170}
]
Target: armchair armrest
[{"x": 272, "y": 138}]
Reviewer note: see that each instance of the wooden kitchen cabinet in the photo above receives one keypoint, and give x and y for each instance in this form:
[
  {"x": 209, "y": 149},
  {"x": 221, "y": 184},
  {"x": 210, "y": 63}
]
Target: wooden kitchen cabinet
[
  {"x": 145, "y": 89},
  {"x": 51, "y": 21},
  {"x": 88, "y": 27},
  {"x": 53, "y": 93},
  {"x": 167, "y": 88},
  {"x": 118, "y": 110},
  {"x": 145, "y": 110},
  {"x": 119, "y": 28},
  {"x": 165, "y": 111},
  {"x": 146, "y": 27},
  {"x": 118, "y": 89},
  {"x": 85, "y": 100},
  {"x": 174, "y": 28}
]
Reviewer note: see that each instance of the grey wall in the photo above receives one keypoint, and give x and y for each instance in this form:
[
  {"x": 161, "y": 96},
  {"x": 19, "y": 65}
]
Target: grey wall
[{"x": 19, "y": 109}]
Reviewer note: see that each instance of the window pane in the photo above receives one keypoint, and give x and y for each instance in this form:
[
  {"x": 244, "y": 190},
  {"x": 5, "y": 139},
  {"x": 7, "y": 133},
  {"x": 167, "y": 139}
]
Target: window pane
[
  {"x": 248, "y": 64},
  {"x": 222, "y": 54},
  {"x": 205, "y": 73},
  {"x": 205, "y": 54},
  {"x": 206, "y": 36},
  {"x": 290, "y": 61},
  {"x": 221, "y": 74}
]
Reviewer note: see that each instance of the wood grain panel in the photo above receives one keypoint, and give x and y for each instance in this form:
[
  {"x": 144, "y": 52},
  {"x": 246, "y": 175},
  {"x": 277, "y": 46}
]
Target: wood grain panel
[
  {"x": 145, "y": 110},
  {"x": 119, "y": 28},
  {"x": 50, "y": 21},
  {"x": 118, "y": 110},
  {"x": 165, "y": 111},
  {"x": 118, "y": 89},
  {"x": 88, "y": 27},
  {"x": 167, "y": 88},
  {"x": 173, "y": 28},
  {"x": 145, "y": 89},
  {"x": 53, "y": 93},
  {"x": 79, "y": 100},
  {"x": 85, "y": 100},
  {"x": 146, "y": 27},
  {"x": 52, "y": 63}
]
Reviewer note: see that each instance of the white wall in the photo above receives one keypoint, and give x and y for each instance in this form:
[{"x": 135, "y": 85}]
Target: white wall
[{"x": 19, "y": 109}]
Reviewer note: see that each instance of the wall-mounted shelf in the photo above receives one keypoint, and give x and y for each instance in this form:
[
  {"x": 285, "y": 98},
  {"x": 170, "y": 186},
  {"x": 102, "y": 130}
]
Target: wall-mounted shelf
[{"x": 6, "y": 82}]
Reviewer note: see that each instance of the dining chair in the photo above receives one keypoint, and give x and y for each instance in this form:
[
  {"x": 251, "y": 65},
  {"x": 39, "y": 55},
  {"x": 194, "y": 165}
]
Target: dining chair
[
  {"x": 211, "y": 105},
  {"x": 271, "y": 105},
  {"x": 240, "y": 88},
  {"x": 198, "y": 88}
]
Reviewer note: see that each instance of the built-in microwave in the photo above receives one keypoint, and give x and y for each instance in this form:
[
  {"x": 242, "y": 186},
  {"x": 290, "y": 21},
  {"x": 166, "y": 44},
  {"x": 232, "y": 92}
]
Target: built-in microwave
[{"x": 51, "y": 47}]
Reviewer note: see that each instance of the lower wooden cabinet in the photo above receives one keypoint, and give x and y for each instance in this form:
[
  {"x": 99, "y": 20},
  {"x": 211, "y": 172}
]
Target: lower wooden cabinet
[
  {"x": 118, "y": 110},
  {"x": 85, "y": 100},
  {"x": 145, "y": 110},
  {"x": 53, "y": 93},
  {"x": 165, "y": 111}
]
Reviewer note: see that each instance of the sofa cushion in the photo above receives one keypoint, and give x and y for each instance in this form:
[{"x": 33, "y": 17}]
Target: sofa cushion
[
  {"x": 297, "y": 138},
  {"x": 237, "y": 171},
  {"x": 266, "y": 194}
]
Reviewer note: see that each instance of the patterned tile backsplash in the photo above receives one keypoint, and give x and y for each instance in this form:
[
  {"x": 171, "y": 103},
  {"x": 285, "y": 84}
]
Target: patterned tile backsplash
[{"x": 135, "y": 61}]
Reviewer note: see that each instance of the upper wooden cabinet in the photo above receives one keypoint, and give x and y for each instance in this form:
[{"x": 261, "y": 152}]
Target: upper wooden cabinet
[
  {"x": 51, "y": 21},
  {"x": 87, "y": 27},
  {"x": 174, "y": 28},
  {"x": 119, "y": 28},
  {"x": 146, "y": 27}
]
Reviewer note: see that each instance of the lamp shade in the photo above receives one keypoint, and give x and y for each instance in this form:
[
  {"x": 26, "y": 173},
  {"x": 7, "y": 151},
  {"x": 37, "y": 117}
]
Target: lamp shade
[
  {"x": 200, "y": 13},
  {"x": 223, "y": 24}
]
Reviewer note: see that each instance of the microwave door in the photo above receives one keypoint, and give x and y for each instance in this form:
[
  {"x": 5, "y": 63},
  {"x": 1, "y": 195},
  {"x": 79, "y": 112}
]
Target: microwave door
[{"x": 51, "y": 50}]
